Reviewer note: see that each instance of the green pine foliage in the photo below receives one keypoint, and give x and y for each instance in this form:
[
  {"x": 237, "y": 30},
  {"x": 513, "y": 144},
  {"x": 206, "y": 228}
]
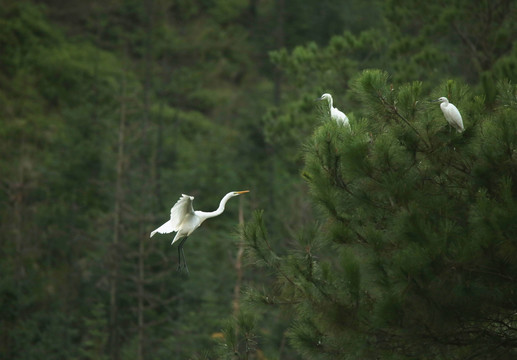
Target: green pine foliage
[
  {"x": 240, "y": 338},
  {"x": 419, "y": 246}
]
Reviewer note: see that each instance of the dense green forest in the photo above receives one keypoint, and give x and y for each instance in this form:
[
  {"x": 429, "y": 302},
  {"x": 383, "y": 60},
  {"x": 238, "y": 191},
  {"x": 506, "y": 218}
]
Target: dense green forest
[{"x": 394, "y": 239}]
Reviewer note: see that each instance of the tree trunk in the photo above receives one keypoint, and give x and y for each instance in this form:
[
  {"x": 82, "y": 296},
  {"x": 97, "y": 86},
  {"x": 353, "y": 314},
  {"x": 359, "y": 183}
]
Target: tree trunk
[
  {"x": 114, "y": 345},
  {"x": 238, "y": 264},
  {"x": 141, "y": 255},
  {"x": 279, "y": 43}
]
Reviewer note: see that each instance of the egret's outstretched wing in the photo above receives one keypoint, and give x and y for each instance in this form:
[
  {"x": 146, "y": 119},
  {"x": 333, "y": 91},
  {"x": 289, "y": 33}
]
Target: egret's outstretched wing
[{"x": 182, "y": 207}]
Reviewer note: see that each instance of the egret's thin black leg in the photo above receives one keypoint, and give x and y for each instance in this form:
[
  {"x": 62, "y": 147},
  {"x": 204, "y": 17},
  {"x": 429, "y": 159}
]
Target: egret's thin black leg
[
  {"x": 184, "y": 260},
  {"x": 179, "y": 257},
  {"x": 180, "y": 254}
]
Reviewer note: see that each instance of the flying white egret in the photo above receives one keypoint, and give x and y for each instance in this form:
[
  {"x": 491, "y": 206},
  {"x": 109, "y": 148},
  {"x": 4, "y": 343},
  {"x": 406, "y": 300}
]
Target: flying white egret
[
  {"x": 335, "y": 114},
  {"x": 451, "y": 113},
  {"x": 184, "y": 220}
]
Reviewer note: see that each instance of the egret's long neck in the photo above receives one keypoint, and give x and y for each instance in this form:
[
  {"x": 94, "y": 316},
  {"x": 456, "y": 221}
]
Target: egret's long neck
[
  {"x": 330, "y": 102},
  {"x": 219, "y": 210}
]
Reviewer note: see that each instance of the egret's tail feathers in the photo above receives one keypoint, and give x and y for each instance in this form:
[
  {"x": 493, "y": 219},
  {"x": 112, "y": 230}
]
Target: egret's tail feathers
[
  {"x": 164, "y": 229},
  {"x": 177, "y": 237}
]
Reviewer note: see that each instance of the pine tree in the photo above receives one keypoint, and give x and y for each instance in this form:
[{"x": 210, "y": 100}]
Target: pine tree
[{"x": 416, "y": 253}]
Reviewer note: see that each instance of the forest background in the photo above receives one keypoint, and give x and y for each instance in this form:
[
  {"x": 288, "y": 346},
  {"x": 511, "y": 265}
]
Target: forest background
[{"x": 109, "y": 110}]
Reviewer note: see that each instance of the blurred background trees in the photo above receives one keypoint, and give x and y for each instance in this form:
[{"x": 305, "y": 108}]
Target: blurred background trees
[{"x": 110, "y": 110}]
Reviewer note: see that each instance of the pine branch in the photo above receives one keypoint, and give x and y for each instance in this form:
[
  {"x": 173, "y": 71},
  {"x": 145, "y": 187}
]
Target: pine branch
[
  {"x": 393, "y": 109},
  {"x": 254, "y": 246}
]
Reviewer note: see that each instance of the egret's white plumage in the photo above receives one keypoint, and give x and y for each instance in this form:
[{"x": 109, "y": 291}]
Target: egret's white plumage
[
  {"x": 184, "y": 220},
  {"x": 179, "y": 212},
  {"x": 452, "y": 114},
  {"x": 335, "y": 114}
]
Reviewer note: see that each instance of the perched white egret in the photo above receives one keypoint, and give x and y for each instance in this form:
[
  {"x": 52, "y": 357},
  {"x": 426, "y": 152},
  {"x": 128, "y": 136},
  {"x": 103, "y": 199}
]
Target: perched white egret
[
  {"x": 184, "y": 220},
  {"x": 451, "y": 113},
  {"x": 335, "y": 114}
]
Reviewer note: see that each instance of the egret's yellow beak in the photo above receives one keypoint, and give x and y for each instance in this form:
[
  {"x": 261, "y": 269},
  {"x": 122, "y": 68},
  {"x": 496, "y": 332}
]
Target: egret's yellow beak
[{"x": 242, "y": 192}]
